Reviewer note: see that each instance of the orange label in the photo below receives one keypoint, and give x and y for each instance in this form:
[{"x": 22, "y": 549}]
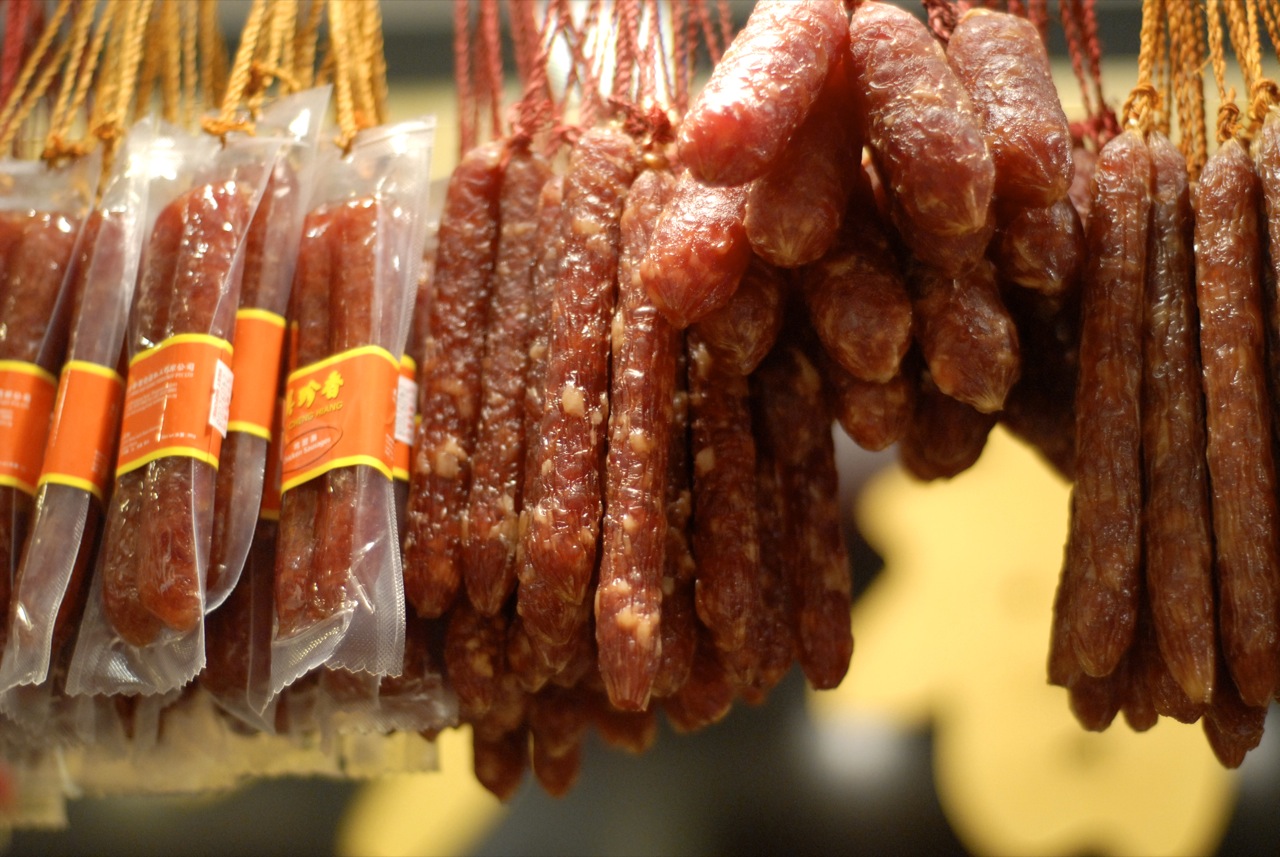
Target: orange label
[
  {"x": 338, "y": 413},
  {"x": 270, "y": 507},
  {"x": 85, "y": 418},
  {"x": 176, "y": 401},
  {"x": 256, "y": 367},
  {"x": 406, "y": 413},
  {"x": 26, "y": 401}
]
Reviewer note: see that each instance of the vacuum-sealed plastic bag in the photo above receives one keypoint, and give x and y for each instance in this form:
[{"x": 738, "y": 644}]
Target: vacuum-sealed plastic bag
[
  {"x": 271, "y": 248},
  {"x": 143, "y": 631},
  {"x": 339, "y": 585},
  {"x": 74, "y": 477}
]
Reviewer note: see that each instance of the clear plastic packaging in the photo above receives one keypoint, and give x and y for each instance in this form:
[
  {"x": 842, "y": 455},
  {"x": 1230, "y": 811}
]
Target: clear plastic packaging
[
  {"x": 271, "y": 249},
  {"x": 143, "y": 630},
  {"x": 49, "y": 582},
  {"x": 339, "y": 583},
  {"x": 42, "y": 212}
]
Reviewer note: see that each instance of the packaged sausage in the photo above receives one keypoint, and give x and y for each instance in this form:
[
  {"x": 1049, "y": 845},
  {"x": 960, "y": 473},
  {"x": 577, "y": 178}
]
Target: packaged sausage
[
  {"x": 271, "y": 248},
  {"x": 143, "y": 630},
  {"x": 41, "y": 214},
  {"x": 339, "y": 590},
  {"x": 74, "y": 476}
]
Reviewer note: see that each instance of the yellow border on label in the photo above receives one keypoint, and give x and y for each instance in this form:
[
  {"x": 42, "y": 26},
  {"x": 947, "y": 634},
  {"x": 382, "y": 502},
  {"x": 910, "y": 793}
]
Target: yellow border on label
[
  {"x": 247, "y": 427},
  {"x": 14, "y": 482},
  {"x": 166, "y": 452},
  {"x": 262, "y": 315},
  {"x": 70, "y": 482},
  {"x": 350, "y": 461},
  {"x": 91, "y": 368},
  {"x": 181, "y": 338},
  {"x": 345, "y": 355},
  {"x": 22, "y": 367}
]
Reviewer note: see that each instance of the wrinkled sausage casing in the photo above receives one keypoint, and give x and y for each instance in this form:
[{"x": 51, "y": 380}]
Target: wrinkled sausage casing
[
  {"x": 1241, "y": 465},
  {"x": 925, "y": 136},
  {"x": 762, "y": 89},
  {"x": 1103, "y": 562}
]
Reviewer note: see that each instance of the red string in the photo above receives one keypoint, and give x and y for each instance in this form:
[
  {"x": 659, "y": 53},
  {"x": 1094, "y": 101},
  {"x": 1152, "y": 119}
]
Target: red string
[
  {"x": 726, "y": 23},
  {"x": 564, "y": 29},
  {"x": 17, "y": 28},
  {"x": 491, "y": 45},
  {"x": 1075, "y": 48},
  {"x": 589, "y": 72},
  {"x": 467, "y": 107},
  {"x": 626, "y": 47},
  {"x": 521, "y": 17},
  {"x": 1089, "y": 27},
  {"x": 656, "y": 58},
  {"x": 1038, "y": 14},
  {"x": 709, "y": 33},
  {"x": 681, "y": 59},
  {"x": 942, "y": 16}
]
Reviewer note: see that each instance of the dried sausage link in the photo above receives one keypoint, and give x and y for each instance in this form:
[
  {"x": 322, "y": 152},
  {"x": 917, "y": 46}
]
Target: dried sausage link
[
  {"x": 309, "y": 311},
  {"x": 770, "y": 649},
  {"x": 795, "y": 417},
  {"x": 1177, "y": 540},
  {"x": 628, "y": 598},
  {"x": 925, "y": 136},
  {"x": 1232, "y": 726},
  {"x": 30, "y": 287},
  {"x": 122, "y": 541},
  {"x": 353, "y": 296},
  {"x": 945, "y": 436},
  {"x": 699, "y": 250},
  {"x": 500, "y": 762},
  {"x": 967, "y": 336},
  {"x": 1267, "y": 159},
  {"x": 562, "y": 537},
  {"x": 493, "y": 507},
  {"x": 725, "y": 541},
  {"x": 449, "y": 381},
  {"x": 557, "y": 724},
  {"x": 1041, "y": 248},
  {"x": 858, "y": 302},
  {"x": 551, "y": 241},
  {"x": 1242, "y": 476},
  {"x": 179, "y": 492},
  {"x": 875, "y": 415},
  {"x": 741, "y": 332},
  {"x": 679, "y": 626},
  {"x": 1147, "y": 666},
  {"x": 1002, "y": 63},
  {"x": 632, "y": 731},
  {"x": 474, "y": 655},
  {"x": 1106, "y": 502},
  {"x": 762, "y": 88},
  {"x": 794, "y": 211},
  {"x": 706, "y": 697}
]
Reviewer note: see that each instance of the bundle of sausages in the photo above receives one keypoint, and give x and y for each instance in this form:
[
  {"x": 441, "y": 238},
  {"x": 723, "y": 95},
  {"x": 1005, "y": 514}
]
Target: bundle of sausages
[
  {"x": 622, "y": 494},
  {"x": 661, "y": 532}
]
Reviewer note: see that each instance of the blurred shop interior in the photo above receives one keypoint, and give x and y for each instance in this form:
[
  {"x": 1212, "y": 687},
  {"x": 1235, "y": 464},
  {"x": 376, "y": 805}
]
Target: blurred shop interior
[{"x": 944, "y": 738}]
